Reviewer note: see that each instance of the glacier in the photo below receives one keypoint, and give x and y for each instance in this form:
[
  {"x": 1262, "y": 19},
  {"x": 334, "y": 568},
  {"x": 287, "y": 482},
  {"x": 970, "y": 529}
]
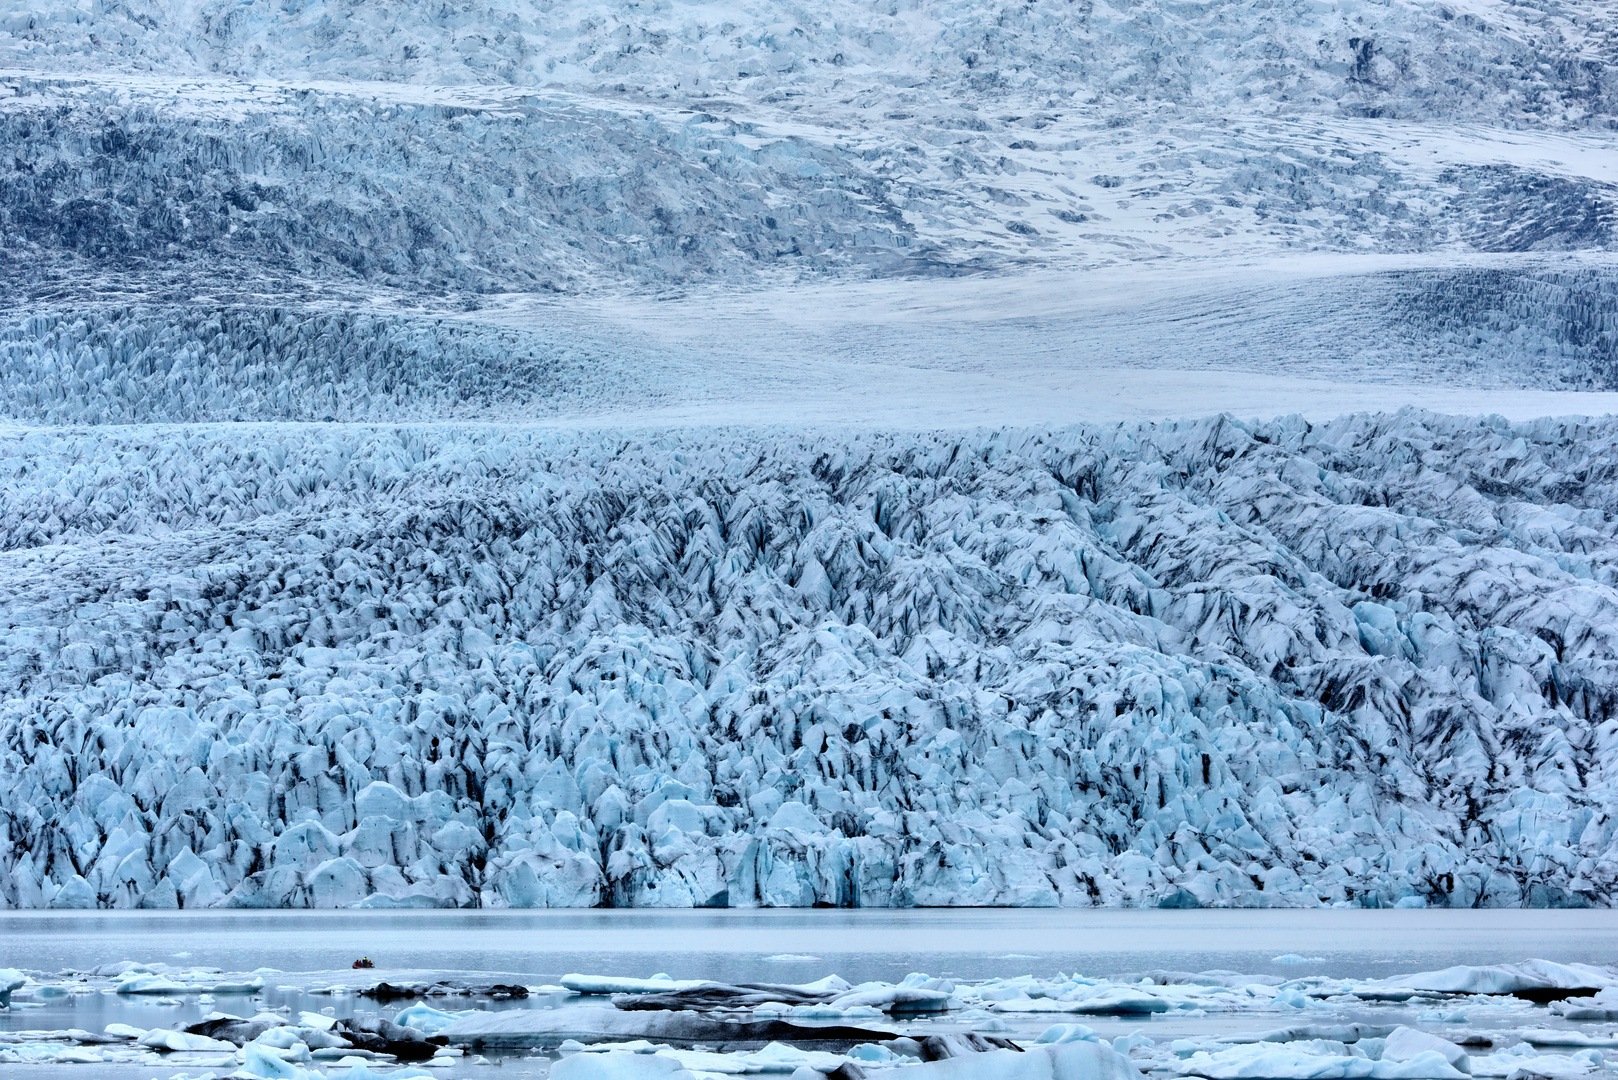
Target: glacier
[
  {"x": 1208, "y": 662},
  {"x": 840, "y": 453}
]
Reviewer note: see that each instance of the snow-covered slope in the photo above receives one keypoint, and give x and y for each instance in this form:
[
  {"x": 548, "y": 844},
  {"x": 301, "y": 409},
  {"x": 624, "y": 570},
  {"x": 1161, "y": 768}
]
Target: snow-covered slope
[
  {"x": 1546, "y": 62},
  {"x": 1276, "y": 664},
  {"x": 524, "y": 146}
]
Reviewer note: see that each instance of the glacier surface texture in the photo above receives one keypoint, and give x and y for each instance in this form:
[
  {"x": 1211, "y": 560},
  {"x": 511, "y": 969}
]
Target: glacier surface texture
[
  {"x": 839, "y": 452},
  {"x": 1199, "y": 662}
]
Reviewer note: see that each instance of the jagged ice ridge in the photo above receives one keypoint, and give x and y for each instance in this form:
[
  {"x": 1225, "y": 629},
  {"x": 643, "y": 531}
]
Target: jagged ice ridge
[{"x": 1209, "y": 662}]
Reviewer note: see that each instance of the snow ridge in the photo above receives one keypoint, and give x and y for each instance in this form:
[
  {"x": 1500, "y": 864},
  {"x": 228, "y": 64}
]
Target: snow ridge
[{"x": 1208, "y": 662}]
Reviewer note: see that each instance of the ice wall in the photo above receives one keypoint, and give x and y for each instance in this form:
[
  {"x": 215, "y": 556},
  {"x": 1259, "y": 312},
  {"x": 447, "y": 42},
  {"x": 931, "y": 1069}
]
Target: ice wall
[{"x": 1207, "y": 662}]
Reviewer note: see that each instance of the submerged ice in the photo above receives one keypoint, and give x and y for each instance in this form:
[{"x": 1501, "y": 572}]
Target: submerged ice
[{"x": 1366, "y": 662}]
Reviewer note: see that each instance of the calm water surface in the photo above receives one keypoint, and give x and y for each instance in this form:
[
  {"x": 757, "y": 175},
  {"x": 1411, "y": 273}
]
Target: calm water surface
[{"x": 859, "y": 945}]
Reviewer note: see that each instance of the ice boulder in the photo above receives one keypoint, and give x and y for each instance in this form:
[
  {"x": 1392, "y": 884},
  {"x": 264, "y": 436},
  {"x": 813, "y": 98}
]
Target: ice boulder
[
  {"x": 273, "y": 888},
  {"x": 10, "y": 979},
  {"x": 795, "y": 815},
  {"x": 337, "y": 883},
  {"x": 426, "y": 1019},
  {"x": 382, "y": 800},
  {"x": 676, "y": 814},
  {"x": 263, "y": 1062},
  {"x": 1405, "y": 1044},
  {"x": 305, "y": 845},
  {"x": 193, "y": 881},
  {"x": 75, "y": 895}
]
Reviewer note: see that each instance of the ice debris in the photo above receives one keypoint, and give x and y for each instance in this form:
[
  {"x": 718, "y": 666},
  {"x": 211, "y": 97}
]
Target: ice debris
[
  {"x": 1536, "y": 980},
  {"x": 1264, "y": 1061},
  {"x": 548, "y": 1028}
]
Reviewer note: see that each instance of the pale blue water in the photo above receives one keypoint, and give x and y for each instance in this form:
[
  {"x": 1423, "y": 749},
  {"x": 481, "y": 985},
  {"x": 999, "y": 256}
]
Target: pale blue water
[{"x": 859, "y": 945}]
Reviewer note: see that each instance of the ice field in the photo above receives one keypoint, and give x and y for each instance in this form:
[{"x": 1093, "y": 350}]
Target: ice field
[{"x": 839, "y": 454}]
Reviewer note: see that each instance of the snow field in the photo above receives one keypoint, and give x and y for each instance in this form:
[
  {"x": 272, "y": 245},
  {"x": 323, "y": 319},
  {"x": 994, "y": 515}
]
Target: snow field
[
  {"x": 1504, "y": 323},
  {"x": 1363, "y": 662}
]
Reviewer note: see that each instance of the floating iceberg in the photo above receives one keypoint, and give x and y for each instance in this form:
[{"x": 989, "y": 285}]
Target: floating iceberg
[
  {"x": 1263, "y": 1061},
  {"x": 547, "y": 1028},
  {"x": 10, "y": 980},
  {"x": 1538, "y": 980}
]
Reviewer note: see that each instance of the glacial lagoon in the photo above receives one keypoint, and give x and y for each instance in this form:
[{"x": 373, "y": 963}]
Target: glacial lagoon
[{"x": 302, "y": 959}]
